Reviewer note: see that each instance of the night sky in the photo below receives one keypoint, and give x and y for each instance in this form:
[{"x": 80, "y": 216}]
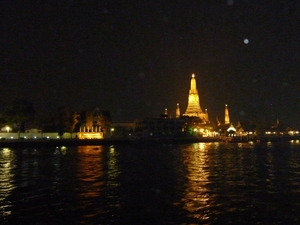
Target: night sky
[{"x": 135, "y": 58}]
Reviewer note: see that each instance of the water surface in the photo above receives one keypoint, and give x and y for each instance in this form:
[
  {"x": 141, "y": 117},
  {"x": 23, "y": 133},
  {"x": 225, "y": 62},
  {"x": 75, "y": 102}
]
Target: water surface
[{"x": 201, "y": 183}]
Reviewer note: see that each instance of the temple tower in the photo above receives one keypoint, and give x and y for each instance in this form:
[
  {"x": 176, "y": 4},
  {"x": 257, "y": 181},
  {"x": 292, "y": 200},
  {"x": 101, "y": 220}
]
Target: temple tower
[
  {"x": 193, "y": 108},
  {"x": 227, "y": 119}
]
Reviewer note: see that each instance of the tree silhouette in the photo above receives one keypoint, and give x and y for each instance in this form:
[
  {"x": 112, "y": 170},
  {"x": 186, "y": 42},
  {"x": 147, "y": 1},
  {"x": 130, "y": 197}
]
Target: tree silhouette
[
  {"x": 103, "y": 122},
  {"x": 63, "y": 120},
  {"x": 19, "y": 112},
  {"x": 89, "y": 119},
  {"x": 73, "y": 121}
]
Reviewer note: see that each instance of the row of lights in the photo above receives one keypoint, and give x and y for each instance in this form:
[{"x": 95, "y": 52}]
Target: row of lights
[
  {"x": 35, "y": 137},
  {"x": 290, "y": 132}
]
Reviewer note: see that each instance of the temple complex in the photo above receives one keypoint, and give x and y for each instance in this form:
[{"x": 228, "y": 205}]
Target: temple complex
[
  {"x": 194, "y": 108},
  {"x": 194, "y": 122}
]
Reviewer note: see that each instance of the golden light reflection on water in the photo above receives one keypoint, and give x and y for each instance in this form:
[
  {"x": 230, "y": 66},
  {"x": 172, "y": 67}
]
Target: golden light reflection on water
[
  {"x": 90, "y": 170},
  {"x": 196, "y": 199},
  {"x": 97, "y": 173},
  {"x": 7, "y": 158}
]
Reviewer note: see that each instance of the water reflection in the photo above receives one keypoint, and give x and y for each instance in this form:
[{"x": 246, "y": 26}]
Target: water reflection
[
  {"x": 113, "y": 181},
  {"x": 113, "y": 168},
  {"x": 243, "y": 181},
  {"x": 97, "y": 178},
  {"x": 203, "y": 183},
  {"x": 196, "y": 197},
  {"x": 7, "y": 164},
  {"x": 90, "y": 171},
  {"x": 91, "y": 183}
]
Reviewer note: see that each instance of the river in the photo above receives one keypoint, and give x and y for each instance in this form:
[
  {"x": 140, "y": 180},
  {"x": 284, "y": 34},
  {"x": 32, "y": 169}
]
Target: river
[{"x": 200, "y": 183}]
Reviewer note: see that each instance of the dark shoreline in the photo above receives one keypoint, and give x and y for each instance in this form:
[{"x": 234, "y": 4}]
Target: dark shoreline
[
  {"x": 77, "y": 142},
  {"x": 60, "y": 142}
]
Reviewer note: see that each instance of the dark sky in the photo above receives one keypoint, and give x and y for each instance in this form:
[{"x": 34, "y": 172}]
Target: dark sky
[{"x": 135, "y": 58}]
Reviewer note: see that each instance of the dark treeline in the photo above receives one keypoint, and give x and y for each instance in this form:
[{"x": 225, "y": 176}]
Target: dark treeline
[{"x": 20, "y": 115}]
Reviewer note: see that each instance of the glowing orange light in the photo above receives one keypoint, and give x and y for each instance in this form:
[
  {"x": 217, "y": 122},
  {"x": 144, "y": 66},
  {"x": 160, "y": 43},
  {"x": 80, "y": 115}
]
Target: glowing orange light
[{"x": 90, "y": 135}]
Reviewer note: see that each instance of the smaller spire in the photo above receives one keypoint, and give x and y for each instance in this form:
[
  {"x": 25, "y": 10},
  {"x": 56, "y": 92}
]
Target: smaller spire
[
  {"x": 206, "y": 115},
  {"x": 218, "y": 122},
  {"x": 177, "y": 111},
  {"x": 166, "y": 111},
  {"x": 165, "y": 114},
  {"x": 227, "y": 119}
]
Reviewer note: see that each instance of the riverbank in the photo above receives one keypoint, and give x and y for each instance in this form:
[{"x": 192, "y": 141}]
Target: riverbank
[{"x": 77, "y": 142}]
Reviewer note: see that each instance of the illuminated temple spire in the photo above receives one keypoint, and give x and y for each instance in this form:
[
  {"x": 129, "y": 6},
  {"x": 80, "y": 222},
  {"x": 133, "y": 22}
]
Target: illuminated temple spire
[
  {"x": 193, "y": 108},
  {"x": 227, "y": 119}
]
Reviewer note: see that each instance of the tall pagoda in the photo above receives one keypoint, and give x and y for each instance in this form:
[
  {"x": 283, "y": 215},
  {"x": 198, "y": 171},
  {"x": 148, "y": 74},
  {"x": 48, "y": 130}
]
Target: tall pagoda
[{"x": 193, "y": 108}]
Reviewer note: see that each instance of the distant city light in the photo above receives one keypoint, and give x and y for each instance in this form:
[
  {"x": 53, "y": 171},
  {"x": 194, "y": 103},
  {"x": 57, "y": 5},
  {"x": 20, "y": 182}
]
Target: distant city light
[{"x": 246, "y": 41}]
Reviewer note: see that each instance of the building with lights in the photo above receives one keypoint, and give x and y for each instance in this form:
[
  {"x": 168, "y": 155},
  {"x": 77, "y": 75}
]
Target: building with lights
[
  {"x": 94, "y": 124},
  {"x": 120, "y": 131}
]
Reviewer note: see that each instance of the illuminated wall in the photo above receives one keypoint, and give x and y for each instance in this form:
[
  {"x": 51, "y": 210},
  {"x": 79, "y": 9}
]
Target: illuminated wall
[{"x": 90, "y": 135}]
